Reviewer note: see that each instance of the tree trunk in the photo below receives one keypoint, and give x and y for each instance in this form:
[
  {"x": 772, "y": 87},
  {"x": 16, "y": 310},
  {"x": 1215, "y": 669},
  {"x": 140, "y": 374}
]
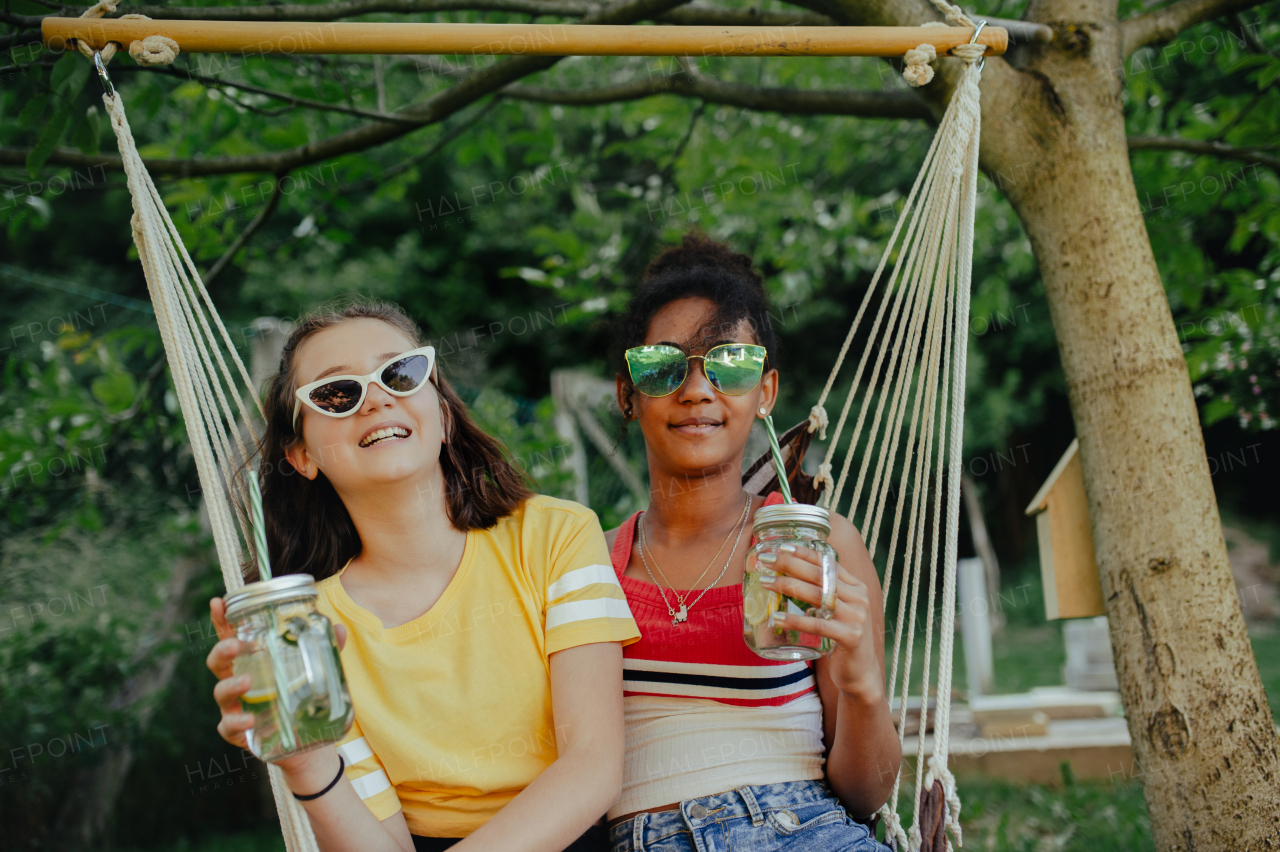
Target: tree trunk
[
  {"x": 1053, "y": 139},
  {"x": 1202, "y": 732},
  {"x": 1203, "y": 737}
]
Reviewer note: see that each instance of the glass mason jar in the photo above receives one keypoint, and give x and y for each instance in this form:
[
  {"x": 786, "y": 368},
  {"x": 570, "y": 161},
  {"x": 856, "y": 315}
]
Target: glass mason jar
[
  {"x": 801, "y": 525},
  {"x": 298, "y": 694}
]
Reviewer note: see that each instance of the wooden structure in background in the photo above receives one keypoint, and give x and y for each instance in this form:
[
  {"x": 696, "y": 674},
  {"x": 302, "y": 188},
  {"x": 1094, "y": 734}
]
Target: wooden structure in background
[{"x": 1068, "y": 566}]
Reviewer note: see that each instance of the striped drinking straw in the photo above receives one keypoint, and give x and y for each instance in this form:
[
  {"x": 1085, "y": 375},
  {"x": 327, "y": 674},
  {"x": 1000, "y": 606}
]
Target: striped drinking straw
[
  {"x": 783, "y": 485},
  {"x": 288, "y": 737},
  {"x": 259, "y": 525}
]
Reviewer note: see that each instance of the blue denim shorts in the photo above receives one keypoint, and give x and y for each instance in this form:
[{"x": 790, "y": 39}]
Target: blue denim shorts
[{"x": 799, "y": 816}]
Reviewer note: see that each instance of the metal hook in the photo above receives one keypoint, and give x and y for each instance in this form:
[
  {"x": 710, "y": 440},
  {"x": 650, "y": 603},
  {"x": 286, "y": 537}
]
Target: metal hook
[
  {"x": 102, "y": 74},
  {"x": 974, "y": 40}
]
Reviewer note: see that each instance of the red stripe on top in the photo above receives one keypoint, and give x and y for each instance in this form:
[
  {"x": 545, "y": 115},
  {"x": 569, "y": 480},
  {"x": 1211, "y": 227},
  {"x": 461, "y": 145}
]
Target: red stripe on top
[{"x": 712, "y": 635}]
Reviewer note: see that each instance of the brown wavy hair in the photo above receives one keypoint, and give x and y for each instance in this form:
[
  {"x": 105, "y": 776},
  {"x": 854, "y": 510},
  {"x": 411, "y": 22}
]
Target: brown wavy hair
[{"x": 309, "y": 530}]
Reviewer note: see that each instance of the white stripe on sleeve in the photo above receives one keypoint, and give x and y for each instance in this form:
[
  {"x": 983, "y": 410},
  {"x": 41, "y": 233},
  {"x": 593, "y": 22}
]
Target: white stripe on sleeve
[
  {"x": 581, "y": 578},
  {"x": 368, "y": 786},
  {"x": 572, "y": 611},
  {"x": 355, "y": 751}
]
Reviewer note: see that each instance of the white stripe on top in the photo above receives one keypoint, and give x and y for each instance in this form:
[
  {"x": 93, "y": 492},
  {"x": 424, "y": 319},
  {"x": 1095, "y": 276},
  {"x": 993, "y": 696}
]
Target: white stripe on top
[
  {"x": 572, "y": 611},
  {"x": 355, "y": 751},
  {"x": 580, "y": 578},
  {"x": 368, "y": 786}
]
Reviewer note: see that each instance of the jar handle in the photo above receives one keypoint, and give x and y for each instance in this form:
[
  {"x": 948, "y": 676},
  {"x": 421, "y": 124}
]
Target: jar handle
[
  {"x": 830, "y": 576},
  {"x": 319, "y": 660}
]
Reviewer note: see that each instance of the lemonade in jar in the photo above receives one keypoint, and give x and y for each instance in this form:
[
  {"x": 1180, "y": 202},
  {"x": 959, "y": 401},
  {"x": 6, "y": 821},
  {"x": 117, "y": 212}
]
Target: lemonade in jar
[
  {"x": 800, "y": 525},
  {"x": 297, "y": 692}
]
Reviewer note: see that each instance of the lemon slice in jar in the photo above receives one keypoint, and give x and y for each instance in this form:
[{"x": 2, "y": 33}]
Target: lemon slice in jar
[
  {"x": 259, "y": 696},
  {"x": 758, "y": 602}
]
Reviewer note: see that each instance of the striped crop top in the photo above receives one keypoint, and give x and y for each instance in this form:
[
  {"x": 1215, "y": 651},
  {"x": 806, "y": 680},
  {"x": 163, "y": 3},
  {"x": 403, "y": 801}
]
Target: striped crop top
[
  {"x": 705, "y": 657},
  {"x": 704, "y": 713}
]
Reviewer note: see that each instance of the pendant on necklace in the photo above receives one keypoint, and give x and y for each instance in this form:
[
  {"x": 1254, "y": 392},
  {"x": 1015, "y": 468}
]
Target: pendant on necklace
[{"x": 681, "y": 616}]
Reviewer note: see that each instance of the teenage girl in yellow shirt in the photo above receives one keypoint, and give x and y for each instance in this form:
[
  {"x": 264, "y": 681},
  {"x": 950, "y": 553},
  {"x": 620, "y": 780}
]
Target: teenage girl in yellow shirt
[{"x": 482, "y": 626}]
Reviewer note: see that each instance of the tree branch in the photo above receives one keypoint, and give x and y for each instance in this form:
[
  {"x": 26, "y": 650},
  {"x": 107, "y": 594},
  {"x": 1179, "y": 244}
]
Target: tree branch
[
  {"x": 1212, "y": 149},
  {"x": 468, "y": 90},
  {"x": 330, "y": 11},
  {"x": 185, "y": 74},
  {"x": 1251, "y": 37},
  {"x": 1163, "y": 25},
  {"x": 894, "y": 104},
  {"x": 373, "y": 181},
  {"x": 252, "y": 228},
  {"x": 666, "y": 171},
  {"x": 16, "y": 20},
  {"x": 695, "y": 14},
  {"x": 18, "y": 39}
]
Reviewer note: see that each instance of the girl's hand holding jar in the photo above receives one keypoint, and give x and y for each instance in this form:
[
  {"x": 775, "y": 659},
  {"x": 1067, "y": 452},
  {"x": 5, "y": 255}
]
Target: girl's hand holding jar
[
  {"x": 234, "y": 693},
  {"x": 855, "y": 666}
]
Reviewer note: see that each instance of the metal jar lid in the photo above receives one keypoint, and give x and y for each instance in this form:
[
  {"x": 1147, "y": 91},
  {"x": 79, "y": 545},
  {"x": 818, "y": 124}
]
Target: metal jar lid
[
  {"x": 270, "y": 591},
  {"x": 792, "y": 513}
]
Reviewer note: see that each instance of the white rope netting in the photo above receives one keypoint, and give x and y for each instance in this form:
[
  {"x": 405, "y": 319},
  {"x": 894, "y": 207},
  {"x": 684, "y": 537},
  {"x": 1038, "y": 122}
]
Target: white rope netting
[
  {"x": 914, "y": 358},
  {"x": 212, "y": 396}
]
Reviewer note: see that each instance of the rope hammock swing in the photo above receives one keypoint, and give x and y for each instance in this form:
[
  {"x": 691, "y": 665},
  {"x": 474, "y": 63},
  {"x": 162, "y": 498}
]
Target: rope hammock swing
[{"x": 917, "y": 334}]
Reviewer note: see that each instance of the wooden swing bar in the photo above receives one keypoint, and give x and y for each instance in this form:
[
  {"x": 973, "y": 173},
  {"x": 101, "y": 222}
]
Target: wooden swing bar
[{"x": 270, "y": 37}]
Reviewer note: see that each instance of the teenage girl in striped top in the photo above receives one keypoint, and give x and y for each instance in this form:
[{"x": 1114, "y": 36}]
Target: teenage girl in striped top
[{"x": 725, "y": 749}]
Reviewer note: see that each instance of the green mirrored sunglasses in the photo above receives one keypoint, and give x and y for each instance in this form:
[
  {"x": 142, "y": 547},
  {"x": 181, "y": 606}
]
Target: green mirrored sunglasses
[{"x": 732, "y": 368}]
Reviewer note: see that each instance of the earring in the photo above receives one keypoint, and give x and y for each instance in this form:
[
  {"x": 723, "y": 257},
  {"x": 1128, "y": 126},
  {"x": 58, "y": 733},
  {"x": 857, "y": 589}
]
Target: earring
[{"x": 762, "y": 411}]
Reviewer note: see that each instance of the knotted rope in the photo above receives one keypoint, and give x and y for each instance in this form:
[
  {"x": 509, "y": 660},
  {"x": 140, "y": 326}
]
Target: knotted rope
[
  {"x": 916, "y": 68},
  {"x": 211, "y": 396},
  {"x": 818, "y": 421},
  {"x": 915, "y": 358},
  {"x": 203, "y": 382},
  {"x": 152, "y": 50},
  {"x": 918, "y": 71}
]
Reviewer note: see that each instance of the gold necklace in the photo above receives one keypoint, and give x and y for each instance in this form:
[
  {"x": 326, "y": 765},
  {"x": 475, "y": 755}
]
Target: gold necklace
[
  {"x": 679, "y": 596},
  {"x": 683, "y": 614}
]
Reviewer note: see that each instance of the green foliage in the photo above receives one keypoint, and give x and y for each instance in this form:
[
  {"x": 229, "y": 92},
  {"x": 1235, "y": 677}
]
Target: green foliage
[
  {"x": 1213, "y": 223},
  {"x": 88, "y": 409},
  {"x": 528, "y": 433},
  {"x": 512, "y": 243},
  {"x": 79, "y": 621}
]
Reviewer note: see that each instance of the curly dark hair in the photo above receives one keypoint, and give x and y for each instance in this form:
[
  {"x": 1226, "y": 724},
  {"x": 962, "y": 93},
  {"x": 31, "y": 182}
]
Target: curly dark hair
[
  {"x": 697, "y": 268},
  {"x": 309, "y": 530}
]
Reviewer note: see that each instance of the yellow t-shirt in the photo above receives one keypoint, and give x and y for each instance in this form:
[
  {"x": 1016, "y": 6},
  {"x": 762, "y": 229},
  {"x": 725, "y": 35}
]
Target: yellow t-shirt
[{"x": 453, "y": 709}]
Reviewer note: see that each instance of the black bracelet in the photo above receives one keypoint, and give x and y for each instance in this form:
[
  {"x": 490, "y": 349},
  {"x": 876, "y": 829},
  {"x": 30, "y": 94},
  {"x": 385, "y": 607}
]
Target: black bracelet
[{"x": 342, "y": 765}]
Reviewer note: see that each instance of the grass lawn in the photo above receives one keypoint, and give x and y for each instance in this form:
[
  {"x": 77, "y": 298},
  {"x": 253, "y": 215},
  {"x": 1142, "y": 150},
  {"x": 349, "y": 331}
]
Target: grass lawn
[
  {"x": 1024, "y": 655},
  {"x": 1086, "y": 816},
  {"x": 1266, "y": 650}
]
